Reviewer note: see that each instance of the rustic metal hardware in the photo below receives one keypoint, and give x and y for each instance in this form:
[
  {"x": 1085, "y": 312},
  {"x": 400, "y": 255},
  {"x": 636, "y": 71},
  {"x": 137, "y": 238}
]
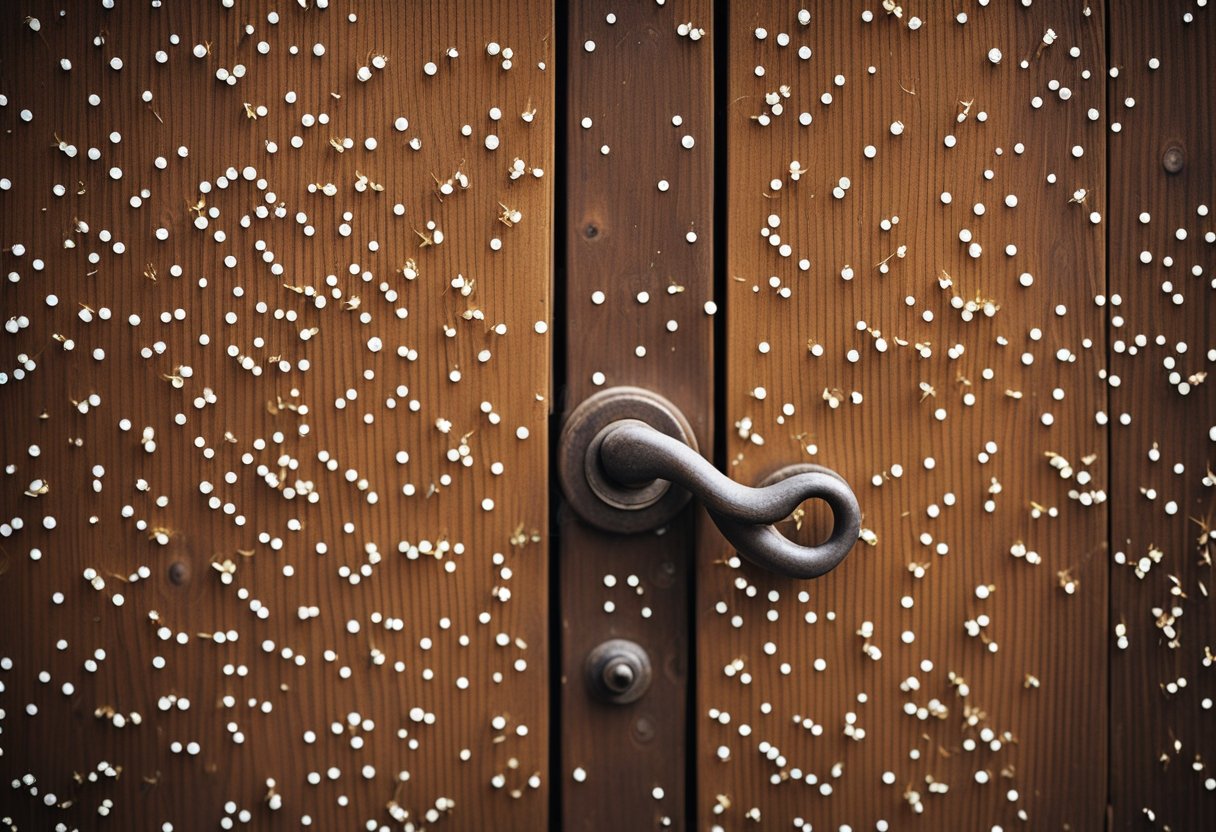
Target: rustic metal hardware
[
  {"x": 622, "y": 450},
  {"x": 596, "y": 498},
  {"x": 618, "y": 671}
]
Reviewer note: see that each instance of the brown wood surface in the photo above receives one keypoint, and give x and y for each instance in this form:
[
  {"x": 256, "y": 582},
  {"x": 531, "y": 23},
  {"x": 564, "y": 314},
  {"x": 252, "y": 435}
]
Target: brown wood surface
[
  {"x": 1163, "y": 740},
  {"x": 625, "y": 236},
  {"x": 440, "y": 600},
  {"x": 1051, "y": 766},
  {"x": 1090, "y": 732}
]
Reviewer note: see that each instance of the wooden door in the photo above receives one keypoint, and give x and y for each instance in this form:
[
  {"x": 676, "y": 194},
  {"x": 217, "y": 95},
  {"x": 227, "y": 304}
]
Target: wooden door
[
  {"x": 298, "y": 298},
  {"x": 1162, "y": 277},
  {"x": 638, "y": 292},
  {"x": 939, "y": 281},
  {"x": 275, "y": 414},
  {"x": 925, "y": 325}
]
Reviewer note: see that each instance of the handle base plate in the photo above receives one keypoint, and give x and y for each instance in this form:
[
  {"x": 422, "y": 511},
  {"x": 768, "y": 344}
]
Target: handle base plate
[{"x": 594, "y": 496}]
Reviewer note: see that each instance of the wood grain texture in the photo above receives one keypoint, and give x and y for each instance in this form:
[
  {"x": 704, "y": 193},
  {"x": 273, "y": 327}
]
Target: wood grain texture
[
  {"x": 1039, "y": 742},
  {"x": 488, "y": 574},
  {"x": 481, "y": 614},
  {"x": 626, "y": 237},
  {"x": 1163, "y": 740}
]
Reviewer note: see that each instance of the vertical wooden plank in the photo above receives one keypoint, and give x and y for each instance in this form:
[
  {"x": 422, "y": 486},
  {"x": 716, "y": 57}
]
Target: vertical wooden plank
[
  {"x": 933, "y": 384},
  {"x": 379, "y": 657},
  {"x": 638, "y": 274},
  {"x": 1163, "y": 343}
]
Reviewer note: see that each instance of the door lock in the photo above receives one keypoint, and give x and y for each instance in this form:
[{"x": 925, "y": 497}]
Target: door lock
[
  {"x": 628, "y": 462},
  {"x": 618, "y": 671}
]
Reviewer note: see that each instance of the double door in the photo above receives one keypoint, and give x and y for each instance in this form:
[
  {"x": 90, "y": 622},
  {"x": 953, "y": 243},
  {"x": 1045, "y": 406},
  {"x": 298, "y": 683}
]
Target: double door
[{"x": 303, "y": 302}]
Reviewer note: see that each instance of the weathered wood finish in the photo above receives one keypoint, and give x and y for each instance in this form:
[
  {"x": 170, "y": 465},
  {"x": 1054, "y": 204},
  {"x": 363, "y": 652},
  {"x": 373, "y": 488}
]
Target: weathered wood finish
[
  {"x": 1163, "y": 741},
  {"x": 625, "y": 237},
  {"x": 1097, "y": 738},
  {"x": 1056, "y": 762},
  {"x": 439, "y": 600}
]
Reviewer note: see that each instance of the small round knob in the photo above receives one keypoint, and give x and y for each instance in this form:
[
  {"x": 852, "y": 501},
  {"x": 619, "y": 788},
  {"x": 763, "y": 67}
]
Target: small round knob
[
  {"x": 618, "y": 671},
  {"x": 619, "y": 676}
]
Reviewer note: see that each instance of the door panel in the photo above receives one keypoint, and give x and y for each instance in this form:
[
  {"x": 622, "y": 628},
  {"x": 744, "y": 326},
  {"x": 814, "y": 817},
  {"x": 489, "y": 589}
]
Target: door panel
[
  {"x": 803, "y": 687},
  {"x": 281, "y": 362},
  {"x": 639, "y": 273},
  {"x": 242, "y": 487},
  {"x": 1161, "y": 164}
]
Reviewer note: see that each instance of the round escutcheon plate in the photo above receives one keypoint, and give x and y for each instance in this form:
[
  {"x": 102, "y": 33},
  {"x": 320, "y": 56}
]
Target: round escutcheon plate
[{"x": 598, "y": 500}]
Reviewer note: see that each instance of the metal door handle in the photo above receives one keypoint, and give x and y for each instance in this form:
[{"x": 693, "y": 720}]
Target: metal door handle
[{"x": 622, "y": 449}]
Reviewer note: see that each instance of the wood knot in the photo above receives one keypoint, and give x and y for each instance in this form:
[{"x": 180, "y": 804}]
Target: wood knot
[{"x": 1173, "y": 160}]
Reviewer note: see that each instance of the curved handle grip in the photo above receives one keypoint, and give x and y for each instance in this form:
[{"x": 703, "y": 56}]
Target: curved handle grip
[{"x": 634, "y": 453}]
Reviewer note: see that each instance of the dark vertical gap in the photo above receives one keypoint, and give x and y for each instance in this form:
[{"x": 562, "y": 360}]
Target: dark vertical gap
[
  {"x": 557, "y": 389},
  {"x": 721, "y": 186},
  {"x": 1110, "y": 458},
  {"x": 720, "y": 39}
]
